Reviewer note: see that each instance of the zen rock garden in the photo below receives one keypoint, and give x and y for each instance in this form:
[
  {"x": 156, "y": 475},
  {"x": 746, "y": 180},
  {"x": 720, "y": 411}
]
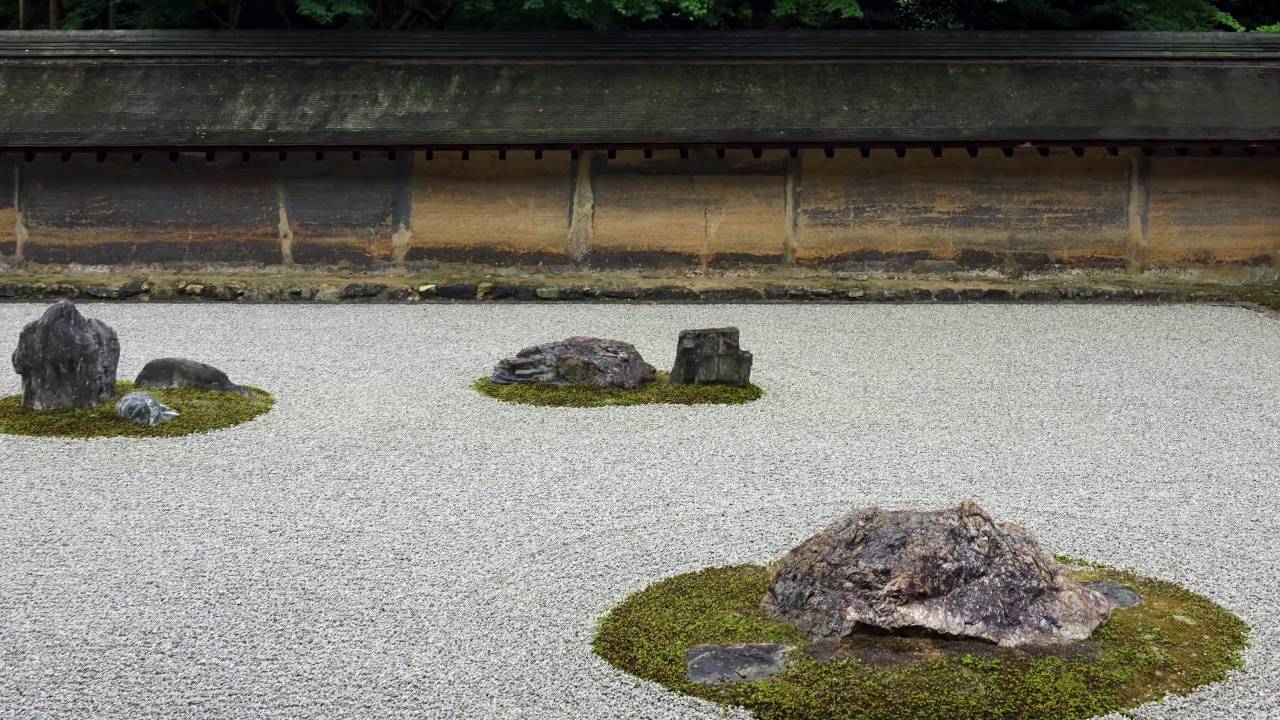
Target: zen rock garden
[
  {"x": 855, "y": 621},
  {"x": 68, "y": 365},
  {"x": 710, "y": 368}
]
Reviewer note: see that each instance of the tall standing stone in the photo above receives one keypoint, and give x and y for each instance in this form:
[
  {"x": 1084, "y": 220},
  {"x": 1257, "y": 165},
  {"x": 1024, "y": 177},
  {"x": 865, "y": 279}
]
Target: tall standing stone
[
  {"x": 66, "y": 361},
  {"x": 711, "y": 357}
]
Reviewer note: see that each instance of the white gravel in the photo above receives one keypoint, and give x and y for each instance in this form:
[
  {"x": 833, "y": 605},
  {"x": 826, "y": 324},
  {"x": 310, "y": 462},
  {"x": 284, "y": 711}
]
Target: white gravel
[{"x": 386, "y": 543}]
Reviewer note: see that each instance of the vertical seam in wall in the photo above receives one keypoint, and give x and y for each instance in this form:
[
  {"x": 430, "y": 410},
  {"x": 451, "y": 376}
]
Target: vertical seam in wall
[
  {"x": 791, "y": 209},
  {"x": 1139, "y": 208},
  {"x": 283, "y": 228},
  {"x": 402, "y": 209},
  {"x": 582, "y": 210},
  {"x": 19, "y": 212}
]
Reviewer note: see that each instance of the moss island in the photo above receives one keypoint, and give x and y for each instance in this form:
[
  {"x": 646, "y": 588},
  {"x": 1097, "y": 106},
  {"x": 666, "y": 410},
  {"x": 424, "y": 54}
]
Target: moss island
[
  {"x": 200, "y": 411},
  {"x": 1170, "y": 643},
  {"x": 659, "y": 392}
]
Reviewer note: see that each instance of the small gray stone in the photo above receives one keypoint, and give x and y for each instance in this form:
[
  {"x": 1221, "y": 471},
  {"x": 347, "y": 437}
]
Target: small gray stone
[
  {"x": 142, "y": 408},
  {"x": 168, "y": 373},
  {"x": 66, "y": 361},
  {"x": 577, "y": 361},
  {"x": 1121, "y": 596},
  {"x": 711, "y": 356},
  {"x": 718, "y": 664}
]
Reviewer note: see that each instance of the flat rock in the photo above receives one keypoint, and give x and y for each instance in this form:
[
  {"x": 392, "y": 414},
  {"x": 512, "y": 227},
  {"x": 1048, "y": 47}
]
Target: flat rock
[
  {"x": 66, "y": 361},
  {"x": 711, "y": 356},
  {"x": 144, "y": 409},
  {"x": 577, "y": 361},
  {"x": 167, "y": 373},
  {"x": 954, "y": 572},
  {"x": 1120, "y": 596},
  {"x": 718, "y": 664}
]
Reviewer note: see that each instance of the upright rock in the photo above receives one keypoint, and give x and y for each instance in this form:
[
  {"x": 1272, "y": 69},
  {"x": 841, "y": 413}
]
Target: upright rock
[
  {"x": 577, "y": 361},
  {"x": 168, "y": 373},
  {"x": 711, "y": 357},
  {"x": 950, "y": 571},
  {"x": 66, "y": 361}
]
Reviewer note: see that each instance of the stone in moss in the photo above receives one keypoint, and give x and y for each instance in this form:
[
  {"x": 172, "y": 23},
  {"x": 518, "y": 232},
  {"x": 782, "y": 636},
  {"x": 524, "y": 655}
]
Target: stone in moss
[
  {"x": 1141, "y": 655},
  {"x": 66, "y": 360},
  {"x": 201, "y": 411}
]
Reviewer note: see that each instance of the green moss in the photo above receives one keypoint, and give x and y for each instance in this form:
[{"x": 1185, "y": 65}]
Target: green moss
[
  {"x": 659, "y": 392},
  {"x": 1141, "y": 654},
  {"x": 200, "y": 411}
]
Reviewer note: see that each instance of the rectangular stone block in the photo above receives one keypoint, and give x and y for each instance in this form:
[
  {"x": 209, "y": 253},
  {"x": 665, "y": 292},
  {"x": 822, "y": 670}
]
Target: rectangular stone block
[
  {"x": 1059, "y": 208},
  {"x": 487, "y": 208}
]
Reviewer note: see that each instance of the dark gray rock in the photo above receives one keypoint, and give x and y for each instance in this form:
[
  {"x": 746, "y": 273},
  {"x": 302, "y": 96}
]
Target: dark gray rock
[
  {"x": 66, "y": 361},
  {"x": 718, "y": 664},
  {"x": 181, "y": 373},
  {"x": 577, "y": 361},
  {"x": 353, "y": 291},
  {"x": 144, "y": 409},
  {"x": 952, "y": 571},
  {"x": 1120, "y": 596},
  {"x": 711, "y": 357},
  {"x": 458, "y": 291}
]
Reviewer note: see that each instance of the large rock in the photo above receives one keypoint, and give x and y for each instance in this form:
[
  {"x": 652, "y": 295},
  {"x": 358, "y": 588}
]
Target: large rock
[
  {"x": 711, "y": 357},
  {"x": 66, "y": 361},
  {"x": 144, "y": 409},
  {"x": 950, "y": 571},
  {"x": 577, "y": 361},
  {"x": 181, "y": 373}
]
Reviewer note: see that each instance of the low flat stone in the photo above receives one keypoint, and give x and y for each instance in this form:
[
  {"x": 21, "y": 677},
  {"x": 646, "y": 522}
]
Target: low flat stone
[
  {"x": 66, "y": 361},
  {"x": 166, "y": 373},
  {"x": 353, "y": 291},
  {"x": 953, "y": 572},
  {"x": 144, "y": 409},
  {"x": 718, "y": 664},
  {"x": 711, "y": 356},
  {"x": 590, "y": 361},
  {"x": 1120, "y": 596}
]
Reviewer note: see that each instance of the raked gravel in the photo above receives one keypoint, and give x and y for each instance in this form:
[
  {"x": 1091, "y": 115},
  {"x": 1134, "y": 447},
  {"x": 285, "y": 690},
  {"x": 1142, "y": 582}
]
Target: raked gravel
[{"x": 387, "y": 543}]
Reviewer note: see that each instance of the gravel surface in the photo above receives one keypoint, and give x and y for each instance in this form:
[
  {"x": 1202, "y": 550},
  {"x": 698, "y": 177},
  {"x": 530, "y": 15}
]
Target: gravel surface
[{"x": 387, "y": 543}]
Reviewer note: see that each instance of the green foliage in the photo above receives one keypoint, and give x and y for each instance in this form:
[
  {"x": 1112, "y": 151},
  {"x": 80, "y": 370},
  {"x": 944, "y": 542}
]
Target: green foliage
[
  {"x": 1157, "y": 15},
  {"x": 659, "y": 392},
  {"x": 1171, "y": 643},
  {"x": 200, "y": 411},
  {"x": 328, "y": 12},
  {"x": 817, "y": 13}
]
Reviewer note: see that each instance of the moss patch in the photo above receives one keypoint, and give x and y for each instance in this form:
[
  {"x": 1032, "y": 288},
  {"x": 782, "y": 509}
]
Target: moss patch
[
  {"x": 1141, "y": 654},
  {"x": 658, "y": 392},
  {"x": 200, "y": 411}
]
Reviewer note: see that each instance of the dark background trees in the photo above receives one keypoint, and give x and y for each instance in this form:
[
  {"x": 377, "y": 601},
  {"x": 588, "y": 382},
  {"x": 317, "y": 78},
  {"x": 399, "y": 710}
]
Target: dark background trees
[{"x": 1160, "y": 15}]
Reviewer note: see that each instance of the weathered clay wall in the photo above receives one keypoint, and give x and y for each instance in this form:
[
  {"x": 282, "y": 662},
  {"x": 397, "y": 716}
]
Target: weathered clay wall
[{"x": 633, "y": 208}]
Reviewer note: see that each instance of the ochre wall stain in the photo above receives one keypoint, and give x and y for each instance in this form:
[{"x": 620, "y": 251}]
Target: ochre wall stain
[
  {"x": 519, "y": 205},
  {"x": 1207, "y": 209},
  {"x": 1062, "y": 206},
  {"x": 705, "y": 208},
  {"x": 668, "y": 205}
]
